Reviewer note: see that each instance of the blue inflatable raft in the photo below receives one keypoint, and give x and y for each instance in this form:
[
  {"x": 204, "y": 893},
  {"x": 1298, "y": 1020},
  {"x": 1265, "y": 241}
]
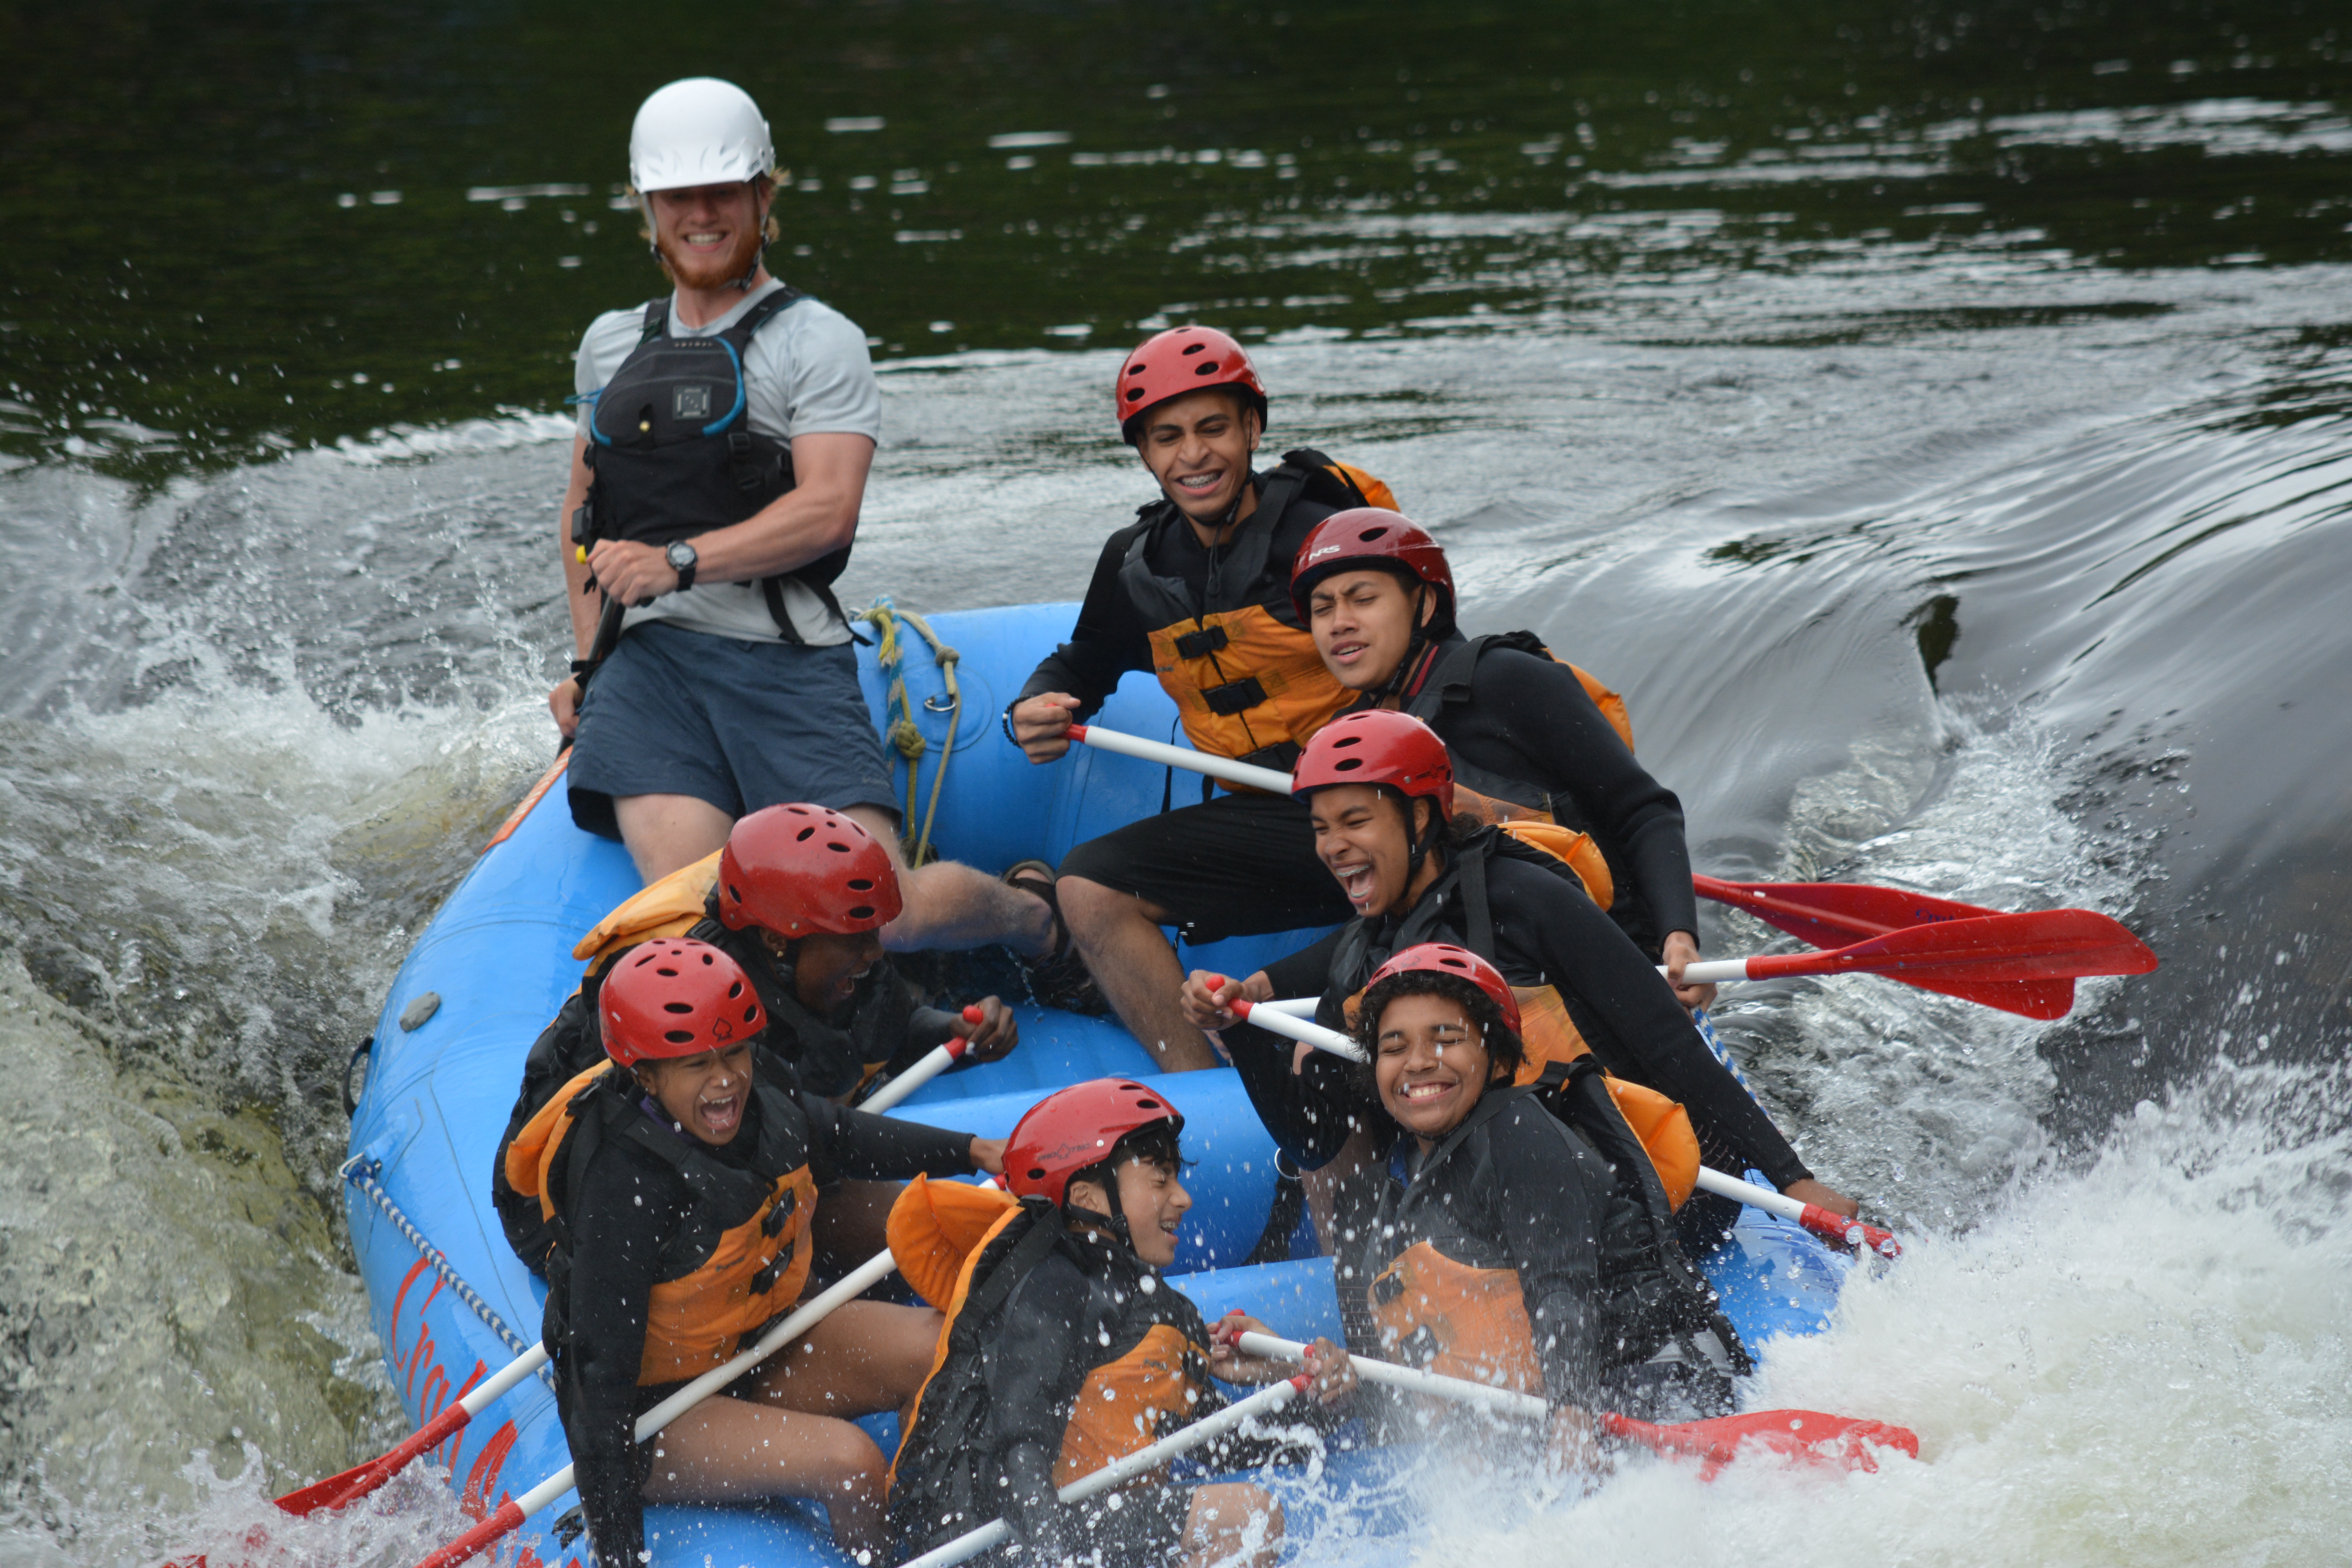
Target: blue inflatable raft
[{"x": 451, "y": 1304}]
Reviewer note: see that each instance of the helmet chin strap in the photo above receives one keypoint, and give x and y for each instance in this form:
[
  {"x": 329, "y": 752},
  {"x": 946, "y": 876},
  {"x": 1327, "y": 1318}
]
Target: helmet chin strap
[
  {"x": 1394, "y": 685},
  {"x": 1107, "y": 1178}
]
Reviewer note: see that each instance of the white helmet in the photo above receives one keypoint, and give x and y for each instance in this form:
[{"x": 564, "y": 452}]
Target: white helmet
[{"x": 699, "y": 132}]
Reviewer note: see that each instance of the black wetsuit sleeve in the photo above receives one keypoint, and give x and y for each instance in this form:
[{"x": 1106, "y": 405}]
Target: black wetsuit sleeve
[
  {"x": 1030, "y": 1364},
  {"x": 1307, "y": 972},
  {"x": 866, "y": 1147},
  {"x": 1554, "y": 1195},
  {"x": 1109, "y": 639},
  {"x": 1626, "y": 1012},
  {"x": 620, "y": 1218},
  {"x": 1531, "y": 718}
]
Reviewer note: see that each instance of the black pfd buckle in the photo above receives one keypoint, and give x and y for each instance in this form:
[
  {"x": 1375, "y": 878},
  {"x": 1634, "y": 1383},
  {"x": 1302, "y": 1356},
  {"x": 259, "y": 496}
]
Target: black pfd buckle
[
  {"x": 779, "y": 1216},
  {"x": 1201, "y": 644},
  {"x": 1282, "y": 757},
  {"x": 1234, "y": 696},
  {"x": 765, "y": 1279}
]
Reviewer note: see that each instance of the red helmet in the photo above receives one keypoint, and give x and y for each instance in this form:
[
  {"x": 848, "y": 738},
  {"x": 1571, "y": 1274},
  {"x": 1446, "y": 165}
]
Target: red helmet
[
  {"x": 1073, "y": 1131},
  {"x": 1371, "y": 536},
  {"x": 793, "y": 869},
  {"x": 1378, "y": 746},
  {"x": 1443, "y": 958},
  {"x": 1178, "y": 360},
  {"x": 675, "y": 996}
]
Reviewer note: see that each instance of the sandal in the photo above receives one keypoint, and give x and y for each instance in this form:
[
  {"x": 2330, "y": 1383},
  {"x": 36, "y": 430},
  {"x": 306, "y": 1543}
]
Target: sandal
[{"x": 1060, "y": 978}]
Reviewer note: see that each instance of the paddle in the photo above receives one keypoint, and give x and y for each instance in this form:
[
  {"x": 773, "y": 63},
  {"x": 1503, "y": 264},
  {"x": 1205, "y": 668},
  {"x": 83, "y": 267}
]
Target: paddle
[
  {"x": 1216, "y": 767},
  {"x": 2025, "y": 951},
  {"x": 1266, "y": 1401},
  {"x": 1831, "y": 1227},
  {"x": 340, "y": 1491},
  {"x": 1840, "y": 1440}
]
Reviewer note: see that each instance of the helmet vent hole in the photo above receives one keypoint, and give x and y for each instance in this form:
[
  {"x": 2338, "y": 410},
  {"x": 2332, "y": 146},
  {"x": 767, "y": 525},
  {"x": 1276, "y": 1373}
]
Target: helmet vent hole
[
  {"x": 805, "y": 835},
  {"x": 1194, "y": 348},
  {"x": 1346, "y": 764},
  {"x": 1037, "y": 1172},
  {"x": 1371, "y": 533},
  {"x": 838, "y": 847},
  {"x": 861, "y": 884},
  {"x": 734, "y": 991},
  {"x": 666, "y": 973},
  {"x": 1347, "y": 740},
  {"x": 1206, "y": 367},
  {"x": 862, "y": 912},
  {"x": 677, "y": 1007},
  {"x": 1134, "y": 394},
  {"x": 679, "y": 1036},
  {"x": 751, "y": 1012},
  {"x": 1147, "y": 1105}
]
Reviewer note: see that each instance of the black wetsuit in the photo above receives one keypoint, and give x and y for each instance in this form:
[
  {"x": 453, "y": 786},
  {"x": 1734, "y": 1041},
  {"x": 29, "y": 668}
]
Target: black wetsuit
[
  {"x": 635, "y": 1225},
  {"x": 1228, "y": 864},
  {"x": 1529, "y": 718},
  {"x": 882, "y": 1021},
  {"x": 1544, "y": 931},
  {"x": 1000, "y": 1414}
]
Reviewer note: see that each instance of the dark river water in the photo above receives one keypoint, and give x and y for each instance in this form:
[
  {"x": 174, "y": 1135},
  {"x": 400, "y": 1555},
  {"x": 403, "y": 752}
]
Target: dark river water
[{"x": 1938, "y": 421}]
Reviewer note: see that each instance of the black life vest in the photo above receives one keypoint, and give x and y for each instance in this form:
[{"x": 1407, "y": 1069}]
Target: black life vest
[
  {"x": 672, "y": 453},
  {"x": 739, "y": 1261},
  {"x": 1433, "y": 1291},
  {"x": 1146, "y": 1375},
  {"x": 799, "y": 1049},
  {"x": 1242, "y": 672}
]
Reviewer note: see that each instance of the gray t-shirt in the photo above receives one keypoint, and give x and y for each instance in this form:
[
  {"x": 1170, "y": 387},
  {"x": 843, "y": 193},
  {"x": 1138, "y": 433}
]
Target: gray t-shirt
[{"x": 806, "y": 374}]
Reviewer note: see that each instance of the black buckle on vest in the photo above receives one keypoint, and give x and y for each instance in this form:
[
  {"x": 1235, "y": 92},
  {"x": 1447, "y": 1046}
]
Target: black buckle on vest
[
  {"x": 738, "y": 454},
  {"x": 1201, "y": 644},
  {"x": 779, "y": 1216},
  {"x": 1387, "y": 1288},
  {"x": 765, "y": 1279},
  {"x": 1233, "y": 696},
  {"x": 1282, "y": 757}
]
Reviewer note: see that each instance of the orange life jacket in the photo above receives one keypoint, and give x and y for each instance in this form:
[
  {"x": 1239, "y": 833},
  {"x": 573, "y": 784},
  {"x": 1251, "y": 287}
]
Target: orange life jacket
[
  {"x": 670, "y": 907},
  {"x": 1458, "y": 1321},
  {"x": 752, "y": 1265},
  {"x": 1244, "y": 675}
]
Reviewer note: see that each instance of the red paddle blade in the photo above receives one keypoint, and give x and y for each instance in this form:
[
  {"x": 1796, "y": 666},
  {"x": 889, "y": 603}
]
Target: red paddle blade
[
  {"x": 1844, "y": 1441},
  {"x": 328, "y": 1493},
  {"x": 2028, "y": 998},
  {"x": 2047, "y": 944},
  {"x": 1832, "y": 914}
]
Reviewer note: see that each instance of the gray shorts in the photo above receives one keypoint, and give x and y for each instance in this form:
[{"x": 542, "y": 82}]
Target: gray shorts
[{"x": 740, "y": 725}]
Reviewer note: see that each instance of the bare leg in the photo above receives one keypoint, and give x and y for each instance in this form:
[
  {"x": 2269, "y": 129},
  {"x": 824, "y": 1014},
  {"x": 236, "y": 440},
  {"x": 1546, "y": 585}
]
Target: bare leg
[
  {"x": 952, "y": 905},
  {"x": 867, "y": 1356},
  {"x": 664, "y": 832},
  {"x": 1119, "y": 936},
  {"x": 852, "y": 1224},
  {"x": 1322, "y": 1184},
  {"x": 1233, "y": 1523},
  {"x": 733, "y": 1451}
]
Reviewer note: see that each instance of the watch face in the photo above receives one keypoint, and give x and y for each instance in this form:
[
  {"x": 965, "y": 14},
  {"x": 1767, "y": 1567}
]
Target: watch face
[{"x": 681, "y": 556}]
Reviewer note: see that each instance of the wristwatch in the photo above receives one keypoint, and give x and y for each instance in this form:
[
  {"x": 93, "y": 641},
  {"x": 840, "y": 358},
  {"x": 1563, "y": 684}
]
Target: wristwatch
[{"x": 682, "y": 561}]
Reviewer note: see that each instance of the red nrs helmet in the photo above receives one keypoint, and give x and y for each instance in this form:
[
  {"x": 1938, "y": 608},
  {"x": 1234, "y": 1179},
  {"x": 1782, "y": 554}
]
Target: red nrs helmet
[
  {"x": 1378, "y": 746},
  {"x": 1178, "y": 360},
  {"x": 675, "y": 996},
  {"x": 792, "y": 870},
  {"x": 1371, "y": 536},
  {"x": 1445, "y": 958},
  {"x": 1074, "y": 1130}
]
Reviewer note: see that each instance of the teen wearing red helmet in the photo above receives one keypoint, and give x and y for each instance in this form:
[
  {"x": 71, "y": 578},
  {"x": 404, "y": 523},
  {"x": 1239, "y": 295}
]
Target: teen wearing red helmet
[
  {"x": 797, "y": 898},
  {"x": 1198, "y": 592},
  {"x": 1066, "y": 1349},
  {"x": 1584, "y": 1297},
  {"x": 677, "y": 1178},
  {"x": 1531, "y": 738},
  {"x": 1378, "y": 785}
]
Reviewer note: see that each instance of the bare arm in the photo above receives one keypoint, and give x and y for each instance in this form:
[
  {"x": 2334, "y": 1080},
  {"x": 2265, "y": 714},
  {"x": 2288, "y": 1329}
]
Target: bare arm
[
  {"x": 815, "y": 518},
  {"x": 585, "y": 607}
]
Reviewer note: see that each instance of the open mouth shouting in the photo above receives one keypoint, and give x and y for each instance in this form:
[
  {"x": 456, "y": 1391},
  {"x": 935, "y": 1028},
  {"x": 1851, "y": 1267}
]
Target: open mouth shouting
[
  {"x": 1358, "y": 882},
  {"x": 719, "y": 1111}
]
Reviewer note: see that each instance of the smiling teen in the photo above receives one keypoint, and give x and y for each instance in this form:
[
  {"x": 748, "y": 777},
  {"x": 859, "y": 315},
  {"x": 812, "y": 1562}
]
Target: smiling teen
[
  {"x": 678, "y": 1181},
  {"x": 1452, "y": 1261},
  {"x": 797, "y": 899},
  {"x": 1196, "y": 591},
  {"x": 1380, "y": 791},
  {"x": 1530, "y": 737},
  {"x": 1066, "y": 1349}
]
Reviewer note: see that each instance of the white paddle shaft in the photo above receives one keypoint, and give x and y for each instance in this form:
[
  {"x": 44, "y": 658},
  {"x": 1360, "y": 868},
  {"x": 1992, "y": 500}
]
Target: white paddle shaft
[
  {"x": 1216, "y": 767},
  {"x": 971, "y": 1543}
]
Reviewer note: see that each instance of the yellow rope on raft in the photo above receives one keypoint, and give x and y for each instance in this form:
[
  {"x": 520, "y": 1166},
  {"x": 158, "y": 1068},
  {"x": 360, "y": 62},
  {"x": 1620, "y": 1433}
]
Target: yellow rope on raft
[{"x": 898, "y": 721}]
